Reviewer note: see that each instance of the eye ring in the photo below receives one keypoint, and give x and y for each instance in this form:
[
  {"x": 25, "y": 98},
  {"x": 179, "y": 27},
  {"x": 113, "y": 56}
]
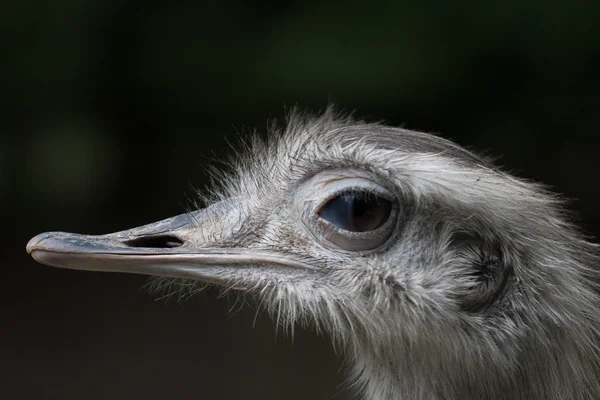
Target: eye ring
[{"x": 356, "y": 219}]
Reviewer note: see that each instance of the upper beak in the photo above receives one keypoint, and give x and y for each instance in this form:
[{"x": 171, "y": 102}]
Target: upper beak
[{"x": 165, "y": 248}]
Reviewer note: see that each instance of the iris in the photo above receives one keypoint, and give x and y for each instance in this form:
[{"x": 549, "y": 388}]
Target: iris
[{"x": 356, "y": 211}]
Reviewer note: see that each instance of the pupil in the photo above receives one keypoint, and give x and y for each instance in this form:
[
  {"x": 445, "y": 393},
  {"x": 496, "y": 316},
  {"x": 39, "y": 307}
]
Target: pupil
[
  {"x": 360, "y": 207},
  {"x": 369, "y": 213}
]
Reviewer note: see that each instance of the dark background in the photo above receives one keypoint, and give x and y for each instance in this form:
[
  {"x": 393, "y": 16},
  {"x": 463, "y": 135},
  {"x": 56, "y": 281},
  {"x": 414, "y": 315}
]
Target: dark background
[{"x": 110, "y": 111}]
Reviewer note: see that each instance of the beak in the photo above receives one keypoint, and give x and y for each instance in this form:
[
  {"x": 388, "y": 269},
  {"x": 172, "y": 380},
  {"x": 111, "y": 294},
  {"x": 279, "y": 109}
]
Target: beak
[{"x": 169, "y": 248}]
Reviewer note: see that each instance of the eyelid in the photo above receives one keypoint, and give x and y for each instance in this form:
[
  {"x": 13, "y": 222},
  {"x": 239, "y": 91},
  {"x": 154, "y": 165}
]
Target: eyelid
[
  {"x": 380, "y": 193},
  {"x": 356, "y": 242},
  {"x": 370, "y": 187}
]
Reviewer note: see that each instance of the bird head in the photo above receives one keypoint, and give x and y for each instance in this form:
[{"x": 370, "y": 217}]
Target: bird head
[{"x": 418, "y": 257}]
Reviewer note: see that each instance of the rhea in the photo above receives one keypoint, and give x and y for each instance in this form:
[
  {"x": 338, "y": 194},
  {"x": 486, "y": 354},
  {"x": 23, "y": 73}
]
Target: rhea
[{"x": 438, "y": 274}]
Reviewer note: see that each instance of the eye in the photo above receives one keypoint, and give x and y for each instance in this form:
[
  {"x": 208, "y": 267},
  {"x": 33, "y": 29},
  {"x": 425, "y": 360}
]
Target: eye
[
  {"x": 349, "y": 210},
  {"x": 356, "y": 211}
]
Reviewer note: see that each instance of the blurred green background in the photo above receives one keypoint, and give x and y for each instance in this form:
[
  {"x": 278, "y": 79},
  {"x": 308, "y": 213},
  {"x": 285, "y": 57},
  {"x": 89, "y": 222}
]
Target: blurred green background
[{"x": 110, "y": 111}]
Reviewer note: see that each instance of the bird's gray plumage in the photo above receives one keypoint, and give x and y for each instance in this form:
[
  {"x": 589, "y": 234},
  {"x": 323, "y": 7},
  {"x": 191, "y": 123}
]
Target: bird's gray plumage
[{"x": 480, "y": 287}]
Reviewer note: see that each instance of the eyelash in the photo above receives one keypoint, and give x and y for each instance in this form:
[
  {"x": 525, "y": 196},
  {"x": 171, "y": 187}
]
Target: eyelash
[{"x": 350, "y": 190}]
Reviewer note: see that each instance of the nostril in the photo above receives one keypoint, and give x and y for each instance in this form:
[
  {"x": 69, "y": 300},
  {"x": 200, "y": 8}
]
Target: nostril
[{"x": 158, "y": 242}]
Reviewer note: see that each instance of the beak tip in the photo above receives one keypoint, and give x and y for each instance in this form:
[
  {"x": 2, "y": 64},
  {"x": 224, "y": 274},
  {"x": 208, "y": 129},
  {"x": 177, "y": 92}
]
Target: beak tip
[
  {"x": 43, "y": 249},
  {"x": 35, "y": 242}
]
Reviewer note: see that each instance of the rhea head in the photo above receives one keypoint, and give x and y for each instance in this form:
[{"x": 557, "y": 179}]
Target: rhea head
[{"x": 439, "y": 275}]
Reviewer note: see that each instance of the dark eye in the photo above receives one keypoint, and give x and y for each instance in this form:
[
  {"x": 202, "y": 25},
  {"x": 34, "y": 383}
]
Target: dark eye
[{"x": 356, "y": 211}]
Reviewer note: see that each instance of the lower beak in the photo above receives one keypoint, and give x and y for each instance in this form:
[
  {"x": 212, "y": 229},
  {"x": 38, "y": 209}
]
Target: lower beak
[{"x": 165, "y": 248}]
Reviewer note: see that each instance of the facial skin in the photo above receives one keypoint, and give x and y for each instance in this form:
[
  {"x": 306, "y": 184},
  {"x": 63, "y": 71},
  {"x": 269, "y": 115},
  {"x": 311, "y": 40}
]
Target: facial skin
[{"x": 441, "y": 276}]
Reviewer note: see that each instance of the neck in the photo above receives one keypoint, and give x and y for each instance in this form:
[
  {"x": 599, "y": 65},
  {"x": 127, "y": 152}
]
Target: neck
[{"x": 543, "y": 371}]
